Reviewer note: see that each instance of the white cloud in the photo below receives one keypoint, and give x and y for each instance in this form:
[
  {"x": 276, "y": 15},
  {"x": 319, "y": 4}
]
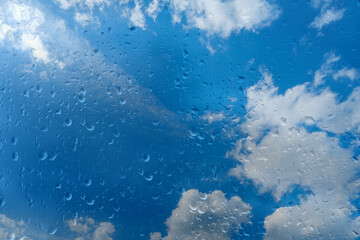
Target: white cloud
[
  {"x": 153, "y": 9},
  {"x": 11, "y": 229},
  {"x": 345, "y": 72},
  {"x": 320, "y": 3},
  {"x": 325, "y": 69},
  {"x": 66, "y": 4},
  {"x": 326, "y": 17},
  {"x": 83, "y": 18},
  {"x": 280, "y": 154},
  {"x": 328, "y": 69},
  {"x": 21, "y": 28},
  {"x": 288, "y": 157},
  {"x": 88, "y": 229},
  {"x": 205, "y": 216},
  {"x": 103, "y": 231},
  {"x": 221, "y": 17},
  {"x": 24, "y": 16},
  {"x": 213, "y": 117},
  {"x": 29, "y": 41},
  {"x": 268, "y": 109},
  {"x": 137, "y": 17},
  {"x": 5, "y": 31},
  {"x": 224, "y": 17},
  {"x": 155, "y": 236},
  {"x": 318, "y": 217}
]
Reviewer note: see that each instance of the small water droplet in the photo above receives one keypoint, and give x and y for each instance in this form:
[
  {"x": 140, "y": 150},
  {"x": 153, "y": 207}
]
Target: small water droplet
[
  {"x": 146, "y": 157},
  {"x": 14, "y": 140},
  {"x": 87, "y": 182},
  {"x": 90, "y": 202},
  {"x": 68, "y": 122},
  {"x": 43, "y": 156},
  {"x": 15, "y": 156},
  {"x": 68, "y": 196}
]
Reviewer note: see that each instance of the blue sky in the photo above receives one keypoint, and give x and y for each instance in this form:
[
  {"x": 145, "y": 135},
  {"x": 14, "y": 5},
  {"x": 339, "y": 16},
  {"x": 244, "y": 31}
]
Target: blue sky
[{"x": 179, "y": 119}]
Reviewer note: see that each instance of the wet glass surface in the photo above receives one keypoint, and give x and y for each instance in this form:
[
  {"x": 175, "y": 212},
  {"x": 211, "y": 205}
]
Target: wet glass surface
[{"x": 179, "y": 119}]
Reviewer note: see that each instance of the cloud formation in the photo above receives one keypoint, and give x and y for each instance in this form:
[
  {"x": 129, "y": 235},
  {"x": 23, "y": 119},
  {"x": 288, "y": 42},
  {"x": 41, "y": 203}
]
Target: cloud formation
[
  {"x": 329, "y": 69},
  {"x": 12, "y": 229},
  {"x": 88, "y": 229},
  {"x": 205, "y": 216},
  {"x": 214, "y": 17},
  {"x": 327, "y": 15},
  {"x": 281, "y": 153},
  {"x": 19, "y": 26},
  {"x": 224, "y": 17},
  {"x": 326, "y": 68},
  {"x": 345, "y": 72}
]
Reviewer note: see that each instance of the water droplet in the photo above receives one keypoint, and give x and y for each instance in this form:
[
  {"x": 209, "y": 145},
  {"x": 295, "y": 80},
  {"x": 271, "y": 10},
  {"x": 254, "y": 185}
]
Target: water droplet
[
  {"x": 90, "y": 202},
  {"x": 52, "y": 231},
  {"x": 68, "y": 196},
  {"x": 149, "y": 178},
  {"x": 53, "y": 157},
  {"x": 87, "y": 182},
  {"x": 14, "y": 140},
  {"x": 122, "y": 101},
  {"x": 43, "y": 156},
  {"x": 119, "y": 90},
  {"x": 146, "y": 157},
  {"x": 15, "y": 156},
  {"x": 193, "y": 208},
  {"x": 90, "y": 128},
  {"x": 68, "y": 122}
]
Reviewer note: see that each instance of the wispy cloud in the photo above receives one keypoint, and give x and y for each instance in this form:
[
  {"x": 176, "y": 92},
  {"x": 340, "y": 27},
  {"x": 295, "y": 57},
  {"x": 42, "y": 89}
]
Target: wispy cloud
[
  {"x": 326, "y": 17},
  {"x": 328, "y": 14}
]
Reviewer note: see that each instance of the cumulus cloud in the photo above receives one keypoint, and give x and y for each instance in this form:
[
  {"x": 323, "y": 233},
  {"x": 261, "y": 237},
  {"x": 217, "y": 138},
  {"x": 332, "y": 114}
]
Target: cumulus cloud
[
  {"x": 317, "y": 217},
  {"x": 268, "y": 109},
  {"x": 281, "y": 153},
  {"x": 224, "y": 17},
  {"x": 88, "y": 229},
  {"x": 205, "y": 216}
]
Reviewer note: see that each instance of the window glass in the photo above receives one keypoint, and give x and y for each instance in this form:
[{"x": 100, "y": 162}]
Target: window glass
[{"x": 179, "y": 119}]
